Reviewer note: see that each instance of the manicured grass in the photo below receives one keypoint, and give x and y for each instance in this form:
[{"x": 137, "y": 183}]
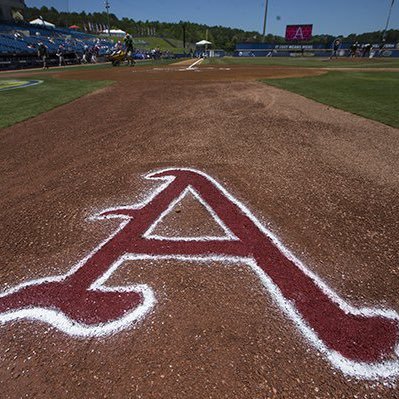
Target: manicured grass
[
  {"x": 157, "y": 42},
  {"x": 20, "y": 104},
  {"x": 58, "y": 69},
  {"x": 156, "y": 62},
  {"x": 139, "y": 63},
  {"x": 151, "y": 42},
  {"x": 373, "y": 95},
  {"x": 308, "y": 62}
]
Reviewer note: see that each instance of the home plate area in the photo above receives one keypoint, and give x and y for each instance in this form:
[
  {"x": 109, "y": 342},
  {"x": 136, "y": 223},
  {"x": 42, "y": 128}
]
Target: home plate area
[{"x": 188, "y": 69}]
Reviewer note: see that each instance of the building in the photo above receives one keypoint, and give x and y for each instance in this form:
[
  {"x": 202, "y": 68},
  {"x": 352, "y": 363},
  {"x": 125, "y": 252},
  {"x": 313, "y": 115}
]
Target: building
[{"x": 11, "y": 10}]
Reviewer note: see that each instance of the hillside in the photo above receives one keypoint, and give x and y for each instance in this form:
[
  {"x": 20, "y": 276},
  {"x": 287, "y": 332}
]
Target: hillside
[
  {"x": 150, "y": 42},
  {"x": 165, "y": 44}
]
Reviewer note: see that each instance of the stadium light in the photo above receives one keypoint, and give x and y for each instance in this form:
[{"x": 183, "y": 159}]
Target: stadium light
[
  {"x": 264, "y": 20},
  {"x": 388, "y": 19},
  {"x": 107, "y": 7}
]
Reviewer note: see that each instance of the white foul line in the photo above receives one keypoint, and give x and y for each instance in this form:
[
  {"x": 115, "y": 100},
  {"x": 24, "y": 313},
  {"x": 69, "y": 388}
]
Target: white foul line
[{"x": 194, "y": 64}]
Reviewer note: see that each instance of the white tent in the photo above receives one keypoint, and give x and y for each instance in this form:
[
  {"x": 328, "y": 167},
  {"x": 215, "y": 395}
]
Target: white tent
[
  {"x": 115, "y": 32},
  {"x": 41, "y": 22},
  {"x": 203, "y": 43}
]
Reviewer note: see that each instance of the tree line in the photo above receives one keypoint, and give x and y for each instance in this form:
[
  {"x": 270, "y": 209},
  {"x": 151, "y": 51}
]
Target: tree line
[{"x": 222, "y": 37}]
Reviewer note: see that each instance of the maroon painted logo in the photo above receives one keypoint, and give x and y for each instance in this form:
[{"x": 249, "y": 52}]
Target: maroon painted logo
[{"x": 360, "y": 342}]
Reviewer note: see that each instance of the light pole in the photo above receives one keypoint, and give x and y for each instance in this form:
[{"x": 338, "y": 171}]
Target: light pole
[
  {"x": 184, "y": 36},
  {"x": 107, "y": 7},
  {"x": 388, "y": 19},
  {"x": 264, "y": 20}
]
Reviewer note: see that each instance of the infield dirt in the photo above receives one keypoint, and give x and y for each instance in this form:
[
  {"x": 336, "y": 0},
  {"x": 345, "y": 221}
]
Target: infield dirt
[{"x": 325, "y": 181}]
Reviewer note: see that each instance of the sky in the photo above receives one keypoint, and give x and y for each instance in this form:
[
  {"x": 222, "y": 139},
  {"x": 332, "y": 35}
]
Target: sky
[{"x": 338, "y": 17}]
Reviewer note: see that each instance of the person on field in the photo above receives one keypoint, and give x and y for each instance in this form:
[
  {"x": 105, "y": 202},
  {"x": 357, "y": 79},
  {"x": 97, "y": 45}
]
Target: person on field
[
  {"x": 118, "y": 46},
  {"x": 335, "y": 48},
  {"x": 42, "y": 53},
  {"x": 381, "y": 48},
  {"x": 353, "y": 49},
  {"x": 60, "y": 55},
  {"x": 366, "y": 50},
  {"x": 128, "y": 41},
  {"x": 86, "y": 54},
  {"x": 95, "y": 51}
]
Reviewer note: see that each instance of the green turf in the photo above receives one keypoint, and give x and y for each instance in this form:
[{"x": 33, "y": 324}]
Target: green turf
[
  {"x": 20, "y": 104},
  {"x": 156, "y": 62},
  {"x": 157, "y": 42},
  {"x": 150, "y": 42},
  {"x": 307, "y": 62},
  {"x": 139, "y": 63},
  {"x": 373, "y": 95}
]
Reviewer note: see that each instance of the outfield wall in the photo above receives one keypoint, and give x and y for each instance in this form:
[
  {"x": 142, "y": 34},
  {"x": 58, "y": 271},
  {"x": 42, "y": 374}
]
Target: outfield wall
[{"x": 307, "y": 50}]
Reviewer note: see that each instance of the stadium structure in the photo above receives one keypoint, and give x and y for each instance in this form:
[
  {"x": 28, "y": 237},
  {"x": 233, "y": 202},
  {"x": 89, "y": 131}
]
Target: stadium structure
[
  {"x": 19, "y": 40},
  {"x": 309, "y": 50},
  {"x": 11, "y": 10}
]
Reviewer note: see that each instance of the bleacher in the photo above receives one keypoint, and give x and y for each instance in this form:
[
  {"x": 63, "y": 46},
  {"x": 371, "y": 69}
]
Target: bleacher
[{"x": 19, "y": 43}]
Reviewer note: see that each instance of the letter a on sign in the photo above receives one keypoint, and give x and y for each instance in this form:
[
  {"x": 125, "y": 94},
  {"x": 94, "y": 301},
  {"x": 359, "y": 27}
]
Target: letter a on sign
[
  {"x": 298, "y": 34},
  {"x": 360, "y": 342}
]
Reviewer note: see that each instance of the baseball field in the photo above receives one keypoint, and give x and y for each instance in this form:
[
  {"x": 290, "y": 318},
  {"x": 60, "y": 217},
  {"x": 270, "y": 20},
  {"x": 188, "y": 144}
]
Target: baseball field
[{"x": 217, "y": 229}]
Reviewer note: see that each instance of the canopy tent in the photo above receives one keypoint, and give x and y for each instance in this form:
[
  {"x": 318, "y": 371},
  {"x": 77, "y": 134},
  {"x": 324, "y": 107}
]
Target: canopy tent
[
  {"x": 203, "y": 43},
  {"x": 42, "y": 22},
  {"x": 115, "y": 32}
]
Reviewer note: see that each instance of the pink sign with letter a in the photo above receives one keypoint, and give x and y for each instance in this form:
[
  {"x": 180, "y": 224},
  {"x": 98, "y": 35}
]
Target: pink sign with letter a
[{"x": 298, "y": 32}]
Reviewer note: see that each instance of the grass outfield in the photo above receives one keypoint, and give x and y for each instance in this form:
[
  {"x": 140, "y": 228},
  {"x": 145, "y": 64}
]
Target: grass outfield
[
  {"x": 369, "y": 94},
  {"x": 307, "y": 62},
  {"x": 20, "y": 104}
]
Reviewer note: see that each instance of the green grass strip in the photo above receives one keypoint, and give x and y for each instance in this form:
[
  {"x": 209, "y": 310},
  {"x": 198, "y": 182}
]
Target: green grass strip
[
  {"x": 373, "y": 95},
  {"x": 21, "y": 104},
  {"x": 82, "y": 67}
]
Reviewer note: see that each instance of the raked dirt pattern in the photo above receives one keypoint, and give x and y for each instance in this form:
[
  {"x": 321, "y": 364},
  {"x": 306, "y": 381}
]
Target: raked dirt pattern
[{"x": 324, "y": 181}]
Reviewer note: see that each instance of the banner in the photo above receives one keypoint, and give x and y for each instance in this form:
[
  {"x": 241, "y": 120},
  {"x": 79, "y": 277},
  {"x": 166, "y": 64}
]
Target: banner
[{"x": 298, "y": 32}]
